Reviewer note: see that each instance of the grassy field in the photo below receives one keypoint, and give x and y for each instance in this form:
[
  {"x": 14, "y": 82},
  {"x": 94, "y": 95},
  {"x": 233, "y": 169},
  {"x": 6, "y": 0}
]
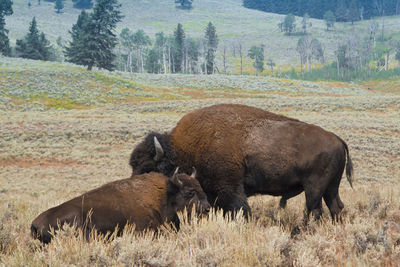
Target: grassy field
[
  {"x": 64, "y": 131},
  {"x": 233, "y": 22}
]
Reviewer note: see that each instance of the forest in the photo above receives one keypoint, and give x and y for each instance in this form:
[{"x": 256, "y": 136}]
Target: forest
[{"x": 345, "y": 10}]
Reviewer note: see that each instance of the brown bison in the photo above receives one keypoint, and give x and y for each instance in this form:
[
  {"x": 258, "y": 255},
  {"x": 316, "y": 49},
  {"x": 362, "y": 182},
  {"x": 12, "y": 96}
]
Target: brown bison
[
  {"x": 146, "y": 200},
  {"x": 240, "y": 151}
]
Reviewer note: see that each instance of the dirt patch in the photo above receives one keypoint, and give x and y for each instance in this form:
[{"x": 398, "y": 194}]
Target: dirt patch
[{"x": 42, "y": 162}]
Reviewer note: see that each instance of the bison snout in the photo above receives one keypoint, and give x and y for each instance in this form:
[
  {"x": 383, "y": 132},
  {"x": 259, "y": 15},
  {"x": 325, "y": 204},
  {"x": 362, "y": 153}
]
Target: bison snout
[{"x": 205, "y": 208}]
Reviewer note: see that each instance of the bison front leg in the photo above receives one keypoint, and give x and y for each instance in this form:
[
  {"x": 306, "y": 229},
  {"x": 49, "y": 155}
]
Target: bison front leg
[
  {"x": 290, "y": 194},
  {"x": 233, "y": 202}
]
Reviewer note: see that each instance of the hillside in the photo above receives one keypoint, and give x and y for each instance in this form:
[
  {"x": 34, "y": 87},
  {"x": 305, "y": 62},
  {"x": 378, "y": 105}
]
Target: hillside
[
  {"x": 29, "y": 84},
  {"x": 65, "y": 130},
  {"x": 233, "y": 23}
]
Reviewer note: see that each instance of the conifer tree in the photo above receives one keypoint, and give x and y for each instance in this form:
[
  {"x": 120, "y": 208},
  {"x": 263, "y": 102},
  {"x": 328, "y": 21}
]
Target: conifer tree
[
  {"x": 179, "y": 40},
  {"x": 95, "y": 45},
  {"x": 212, "y": 44},
  {"x": 77, "y": 52},
  {"x": 102, "y": 39},
  {"x": 330, "y": 19},
  {"x": 34, "y": 45},
  {"x": 185, "y": 3},
  {"x": 341, "y": 11},
  {"x": 58, "y": 6},
  {"x": 257, "y": 53},
  {"x": 354, "y": 13},
  {"x": 5, "y": 10},
  {"x": 289, "y": 24},
  {"x": 83, "y": 4}
]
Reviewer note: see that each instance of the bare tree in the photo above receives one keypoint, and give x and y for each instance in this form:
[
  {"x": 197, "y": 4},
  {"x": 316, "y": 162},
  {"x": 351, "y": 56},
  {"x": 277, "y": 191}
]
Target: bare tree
[
  {"x": 304, "y": 50},
  {"x": 271, "y": 64},
  {"x": 224, "y": 58},
  {"x": 309, "y": 49},
  {"x": 353, "y": 51},
  {"x": 373, "y": 28},
  {"x": 397, "y": 52},
  {"x": 241, "y": 57}
]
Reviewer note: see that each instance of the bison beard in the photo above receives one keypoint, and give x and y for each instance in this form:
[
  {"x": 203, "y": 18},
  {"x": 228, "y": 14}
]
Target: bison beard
[{"x": 240, "y": 151}]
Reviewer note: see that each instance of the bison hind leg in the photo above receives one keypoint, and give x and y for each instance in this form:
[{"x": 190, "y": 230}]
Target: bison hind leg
[
  {"x": 331, "y": 195},
  {"x": 313, "y": 203},
  {"x": 334, "y": 203}
]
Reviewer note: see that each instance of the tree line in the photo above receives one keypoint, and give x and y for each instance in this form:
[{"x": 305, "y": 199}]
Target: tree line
[
  {"x": 174, "y": 53},
  {"x": 356, "y": 58},
  {"x": 345, "y": 10},
  {"x": 94, "y": 43}
]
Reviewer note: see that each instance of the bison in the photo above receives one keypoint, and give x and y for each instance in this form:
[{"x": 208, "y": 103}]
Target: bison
[
  {"x": 240, "y": 151},
  {"x": 146, "y": 200}
]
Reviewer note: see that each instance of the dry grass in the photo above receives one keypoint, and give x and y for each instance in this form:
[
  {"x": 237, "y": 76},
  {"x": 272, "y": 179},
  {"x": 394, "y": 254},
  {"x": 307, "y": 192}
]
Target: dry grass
[{"x": 50, "y": 156}]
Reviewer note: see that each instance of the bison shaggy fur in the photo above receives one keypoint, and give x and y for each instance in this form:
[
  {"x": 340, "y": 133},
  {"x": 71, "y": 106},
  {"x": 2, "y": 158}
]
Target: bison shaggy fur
[
  {"x": 240, "y": 151},
  {"x": 146, "y": 200}
]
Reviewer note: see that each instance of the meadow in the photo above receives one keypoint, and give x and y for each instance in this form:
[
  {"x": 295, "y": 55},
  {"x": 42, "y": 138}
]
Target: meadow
[
  {"x": 64, "y": 131},
  {"x": 234, "y": 24}
]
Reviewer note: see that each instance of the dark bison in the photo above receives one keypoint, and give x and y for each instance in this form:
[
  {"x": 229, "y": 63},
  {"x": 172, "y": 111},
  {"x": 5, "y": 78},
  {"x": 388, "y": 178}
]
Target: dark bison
[
  {"x": 146, "y": 200},
  {"x": 240, "y": 151}
]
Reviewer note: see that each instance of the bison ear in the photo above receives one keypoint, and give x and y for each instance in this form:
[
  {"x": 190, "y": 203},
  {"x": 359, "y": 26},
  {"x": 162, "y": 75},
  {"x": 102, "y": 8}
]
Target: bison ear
[
  {"x": 175, "y": 180},
  {"x": 193, "y": 173},
  {"x": 159, "y": 150}
]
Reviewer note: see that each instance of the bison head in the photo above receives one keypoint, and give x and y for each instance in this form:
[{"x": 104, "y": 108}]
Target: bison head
[
  {"x": 154, "y": 153},
  {"x": 184, "y": 191}
]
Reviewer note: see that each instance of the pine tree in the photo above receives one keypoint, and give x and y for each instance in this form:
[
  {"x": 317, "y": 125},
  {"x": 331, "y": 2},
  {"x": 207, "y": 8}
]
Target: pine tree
[
  {"x": 257, "y": 53},
  {"x": 102, "y": 38},
  {"x": 341, "y": 11},
  {"x": 212, "y": 44},
  {"x": 354, "y": 13},
  {"x": 330, "y": 19},
  {"x": 77, "y": 52},
  {"x": 94, "y": 46},
  {"x": 83, "y": 4},
  {"x": 34, "y": 45},
  {"x": 58, "y": 6},
  {"x": 5, "y": 10},
  {"x": 187, "y": 4},
  {"x": 179, "y": 40},
  {"x": 289, "y": 25}
]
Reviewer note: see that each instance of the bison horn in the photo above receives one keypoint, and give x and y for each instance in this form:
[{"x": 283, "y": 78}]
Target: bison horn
[
  {"x": 175, "y": 180},
  {"x": 159, "y": 150},
  {"x": 193, "y": 172}
]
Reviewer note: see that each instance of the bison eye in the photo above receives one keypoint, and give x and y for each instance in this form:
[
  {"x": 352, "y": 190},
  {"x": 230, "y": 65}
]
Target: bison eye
[{"x": 189, "y": 195}]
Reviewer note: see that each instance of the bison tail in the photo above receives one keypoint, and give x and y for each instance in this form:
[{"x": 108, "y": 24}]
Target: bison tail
[{"x": 349, "y": 165}]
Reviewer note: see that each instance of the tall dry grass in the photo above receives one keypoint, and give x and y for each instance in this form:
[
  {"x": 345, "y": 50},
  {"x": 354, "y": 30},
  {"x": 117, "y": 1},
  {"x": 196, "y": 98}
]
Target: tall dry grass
[{"x": 369, "y": 235}]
